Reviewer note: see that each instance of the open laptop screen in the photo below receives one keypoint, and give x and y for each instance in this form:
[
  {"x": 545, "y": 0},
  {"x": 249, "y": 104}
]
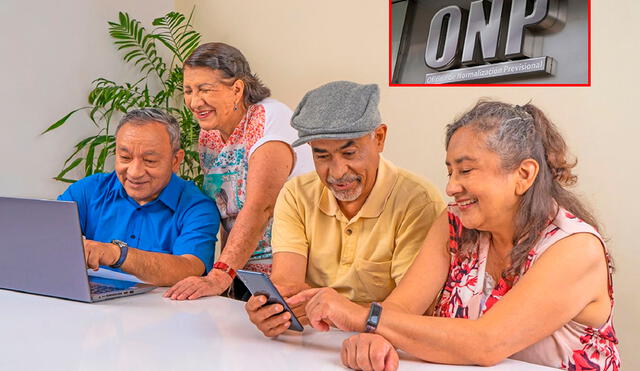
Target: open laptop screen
[{"x": 41, "y": 250}]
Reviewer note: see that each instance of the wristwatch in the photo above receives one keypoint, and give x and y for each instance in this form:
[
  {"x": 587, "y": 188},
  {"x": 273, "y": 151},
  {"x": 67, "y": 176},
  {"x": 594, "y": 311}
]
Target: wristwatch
[
  {"x": 124, "y": 249},
  {"x": 225, "y": 268},
  {"x": 374, "y": 317}
]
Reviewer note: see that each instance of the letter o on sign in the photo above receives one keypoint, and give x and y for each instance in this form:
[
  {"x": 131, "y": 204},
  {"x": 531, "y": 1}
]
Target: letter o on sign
[{"x": 450, "y": 39}]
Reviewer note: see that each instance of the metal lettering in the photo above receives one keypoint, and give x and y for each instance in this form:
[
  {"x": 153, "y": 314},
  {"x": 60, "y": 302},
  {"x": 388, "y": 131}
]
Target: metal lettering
[
  {"x": 487, "y": 32},
  {"x": 451, "y": 38},
  {"x": 516, "y": 45}
]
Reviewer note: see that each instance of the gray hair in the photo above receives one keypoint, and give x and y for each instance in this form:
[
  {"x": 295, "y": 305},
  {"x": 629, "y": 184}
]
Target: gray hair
[
  {"x": 143, "y": 116},
  {"x": 233, "y": 65},
  {"x": 510, "y": 132},
  {"x": 517, "y": 133}
]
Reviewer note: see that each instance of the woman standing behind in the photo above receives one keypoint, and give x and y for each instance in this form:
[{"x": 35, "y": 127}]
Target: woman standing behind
[{"x": 246, "y": 157}]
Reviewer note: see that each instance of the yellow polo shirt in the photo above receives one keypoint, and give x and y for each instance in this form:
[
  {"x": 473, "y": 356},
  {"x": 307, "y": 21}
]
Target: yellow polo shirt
[{"x": 363, "y": 258}]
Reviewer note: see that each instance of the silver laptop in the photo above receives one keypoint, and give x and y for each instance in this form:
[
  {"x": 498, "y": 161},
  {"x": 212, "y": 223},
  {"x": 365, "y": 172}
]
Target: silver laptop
[{"x": 41, "y": 252}]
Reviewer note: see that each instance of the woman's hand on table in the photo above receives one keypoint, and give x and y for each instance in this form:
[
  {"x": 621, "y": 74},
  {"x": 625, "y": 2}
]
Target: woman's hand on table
[
  {"x": 369, "y": 352},
  {"x": 195, "y": 287}
]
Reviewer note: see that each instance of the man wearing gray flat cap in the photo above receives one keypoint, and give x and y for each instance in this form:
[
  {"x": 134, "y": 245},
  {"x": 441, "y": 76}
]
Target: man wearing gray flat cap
[{"x": 357, "y": 222}]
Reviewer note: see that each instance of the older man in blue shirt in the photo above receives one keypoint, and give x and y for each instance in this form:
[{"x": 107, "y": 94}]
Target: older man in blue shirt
[{"x": 142, "y": 218}]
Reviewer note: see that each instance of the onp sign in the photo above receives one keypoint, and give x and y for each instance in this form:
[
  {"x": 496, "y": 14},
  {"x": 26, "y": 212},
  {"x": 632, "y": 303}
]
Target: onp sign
[{"x": 492, "y": 31}]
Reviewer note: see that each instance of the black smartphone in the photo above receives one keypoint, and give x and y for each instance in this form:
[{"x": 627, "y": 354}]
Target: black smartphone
[{"x": 260, "y": 284}]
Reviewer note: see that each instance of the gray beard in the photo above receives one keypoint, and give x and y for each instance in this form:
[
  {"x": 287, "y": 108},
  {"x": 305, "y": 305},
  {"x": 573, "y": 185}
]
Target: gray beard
[{"x": 348, "y": 196}]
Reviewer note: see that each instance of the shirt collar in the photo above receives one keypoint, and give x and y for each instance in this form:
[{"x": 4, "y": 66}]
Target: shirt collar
[
  {"x": 375, "y": 202},
  {"x": 118, "y": 188},
  {"x": 170, "y": 195}
]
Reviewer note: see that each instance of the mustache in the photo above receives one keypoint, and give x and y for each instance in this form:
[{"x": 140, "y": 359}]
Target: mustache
[{"x": 348, "y": 178}]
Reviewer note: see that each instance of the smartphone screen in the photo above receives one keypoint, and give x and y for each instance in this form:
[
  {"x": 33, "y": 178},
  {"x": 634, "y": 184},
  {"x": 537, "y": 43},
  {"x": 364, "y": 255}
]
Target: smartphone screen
[{"x": 259, "y": 284}]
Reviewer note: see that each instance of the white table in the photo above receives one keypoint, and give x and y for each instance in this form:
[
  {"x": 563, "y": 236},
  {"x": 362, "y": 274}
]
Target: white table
[{"x": 148, "y": 332}]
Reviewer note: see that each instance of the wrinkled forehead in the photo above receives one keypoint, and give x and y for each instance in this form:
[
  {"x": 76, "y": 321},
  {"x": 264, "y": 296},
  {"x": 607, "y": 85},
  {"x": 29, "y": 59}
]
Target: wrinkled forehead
[
  {"x": 336, "y": 145},
  {"x": 466, "y": 144},
  {"x": 143, "y": 136},
  {"x": 202, "y": 75}
]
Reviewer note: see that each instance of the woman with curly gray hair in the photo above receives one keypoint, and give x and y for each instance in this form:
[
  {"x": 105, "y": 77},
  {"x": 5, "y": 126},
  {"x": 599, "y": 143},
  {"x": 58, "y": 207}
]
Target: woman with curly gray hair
[{"x": 514, "y": 268}]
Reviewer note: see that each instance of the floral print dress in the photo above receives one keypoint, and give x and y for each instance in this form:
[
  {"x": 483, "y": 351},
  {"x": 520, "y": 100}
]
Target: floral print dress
[
  {"x": 574, "y": 346},
  {"x": 225, "y": 165}
]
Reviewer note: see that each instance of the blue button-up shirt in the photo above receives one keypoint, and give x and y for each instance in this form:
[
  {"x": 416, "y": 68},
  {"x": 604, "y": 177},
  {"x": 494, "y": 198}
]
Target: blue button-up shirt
[{"x": 182, "y": 220}]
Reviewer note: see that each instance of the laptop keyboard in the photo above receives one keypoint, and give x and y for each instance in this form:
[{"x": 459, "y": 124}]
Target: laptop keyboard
[{"x": 97, "y": 288}]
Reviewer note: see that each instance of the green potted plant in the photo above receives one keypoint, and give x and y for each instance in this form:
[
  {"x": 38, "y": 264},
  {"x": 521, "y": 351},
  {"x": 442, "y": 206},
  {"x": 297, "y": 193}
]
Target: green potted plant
[{"x": 159, "y": 85}]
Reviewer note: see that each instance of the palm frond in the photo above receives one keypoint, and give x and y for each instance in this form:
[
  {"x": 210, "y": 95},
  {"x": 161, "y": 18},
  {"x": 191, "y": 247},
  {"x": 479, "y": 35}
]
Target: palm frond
[
  {"x": 139, "y": 45},
  {"x": 175, "y": 31},
  {"x": 112, "y": 97}
]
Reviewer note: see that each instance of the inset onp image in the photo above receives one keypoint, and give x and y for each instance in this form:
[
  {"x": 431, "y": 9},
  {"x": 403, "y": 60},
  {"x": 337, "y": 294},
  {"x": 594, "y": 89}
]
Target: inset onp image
[{"x": 490, "y": 42}]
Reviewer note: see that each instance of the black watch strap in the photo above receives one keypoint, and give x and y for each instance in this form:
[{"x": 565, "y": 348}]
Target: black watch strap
[
  {"x": 124, "y": 249},
  {"x": 374, "y": 317}
]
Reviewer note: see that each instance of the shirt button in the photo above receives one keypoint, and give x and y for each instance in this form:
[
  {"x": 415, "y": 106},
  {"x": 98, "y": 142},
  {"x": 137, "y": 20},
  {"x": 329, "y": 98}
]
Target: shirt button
[
  {"x": 348, "y": 232},
  {"x": 137, "y": 209},
  {"x": 133, "y": 236}
]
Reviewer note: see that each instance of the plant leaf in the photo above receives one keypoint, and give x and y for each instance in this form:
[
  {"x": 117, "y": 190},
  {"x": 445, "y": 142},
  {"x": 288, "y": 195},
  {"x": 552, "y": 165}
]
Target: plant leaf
[
  {"x": 59, "y": 123},
  {"x": 64, "y": 180},
  {"x": 64, "y": 171},
  {"x": 172, "y": 29},
  {"x": 88, "y": 163},
  {"x": 102, "y": 157},
  {"x": 79, "y": 147},
  {"x": 131, "y": 36}
]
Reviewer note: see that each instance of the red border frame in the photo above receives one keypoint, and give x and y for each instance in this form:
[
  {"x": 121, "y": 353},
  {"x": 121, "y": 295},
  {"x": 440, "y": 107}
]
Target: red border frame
[{"x": 502, "y": 85}]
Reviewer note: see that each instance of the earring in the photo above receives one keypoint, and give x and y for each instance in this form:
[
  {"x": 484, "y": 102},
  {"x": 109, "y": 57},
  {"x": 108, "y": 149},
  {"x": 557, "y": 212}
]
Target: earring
[{"x": 235, "y": 106}]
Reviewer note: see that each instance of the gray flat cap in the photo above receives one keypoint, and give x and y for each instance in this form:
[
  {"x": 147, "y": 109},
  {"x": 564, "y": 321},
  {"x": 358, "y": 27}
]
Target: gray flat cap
[{"x": 337, "y": 110}]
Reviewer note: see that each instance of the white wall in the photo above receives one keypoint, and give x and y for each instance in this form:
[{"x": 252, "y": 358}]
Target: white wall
[
  {"x": 297, "y": 45},
  {"x": 51, "y": 51}
]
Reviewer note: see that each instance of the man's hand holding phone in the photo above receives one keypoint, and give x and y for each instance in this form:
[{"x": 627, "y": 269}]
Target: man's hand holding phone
[
  {"x": 270, "y": 318},
  {"x": 267, "y": 307}
]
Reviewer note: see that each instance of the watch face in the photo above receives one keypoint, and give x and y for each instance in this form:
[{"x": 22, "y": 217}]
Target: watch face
[
  {"x": 123, "y": 253},
  {"x": 374, "y": 317}
]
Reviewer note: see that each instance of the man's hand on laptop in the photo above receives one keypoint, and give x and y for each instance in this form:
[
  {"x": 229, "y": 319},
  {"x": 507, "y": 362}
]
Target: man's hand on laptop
[{"x": 100, "y": 253}]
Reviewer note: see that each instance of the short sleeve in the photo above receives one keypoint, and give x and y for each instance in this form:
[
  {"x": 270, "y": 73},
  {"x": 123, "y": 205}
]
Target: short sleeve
[
  {"x": 410, "y": 236},
  {"x": 77, "y": 192},
  {"x": 198, "y": 229},
  {"x": 288, "y": 233},
  {"x": 277, "y": 124},
  {"x": 277, "y": 127}
]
